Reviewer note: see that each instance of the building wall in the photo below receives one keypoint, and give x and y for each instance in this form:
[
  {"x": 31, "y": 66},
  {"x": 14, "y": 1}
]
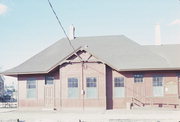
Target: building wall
[
  {"x": 90, "y": 69},
  {"x": 144, "y": 91},
  {"x": 39, "y": 101},
  {"x": 60, "y": 90},
  {"x": 22, "y": 84},
  {"x": 56, "y": 95}
]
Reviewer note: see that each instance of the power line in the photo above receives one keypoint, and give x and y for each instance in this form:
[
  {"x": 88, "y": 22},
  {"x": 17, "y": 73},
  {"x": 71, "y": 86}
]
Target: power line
[
  {"x": 71, "y": 46},
  {"x": 63, "y": 29}
]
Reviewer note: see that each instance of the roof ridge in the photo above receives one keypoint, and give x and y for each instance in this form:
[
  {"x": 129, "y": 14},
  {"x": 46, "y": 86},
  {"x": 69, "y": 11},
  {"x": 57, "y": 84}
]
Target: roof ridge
[
  {"x": 163, "y": 45},
  {"x": 97, "y": 36}
]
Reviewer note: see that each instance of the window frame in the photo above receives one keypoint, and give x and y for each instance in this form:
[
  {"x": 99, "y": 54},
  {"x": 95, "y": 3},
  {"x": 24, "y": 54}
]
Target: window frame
[
  {"x": 51, "y": 78},
  {"x": 138, "y": 78},
  {"x": 91, "y": 83},
  {"x": 119, "y": 88},
  {"x": 93, "y": 86},
  {"x": 119, "y": 84},
  {"x": 29, "y": 89},
  {"x": 73, "y": 87},
  {"x": 72, "y": 84},
  {"x": 156, "y": 80},
  {"x": 157, "y": 83}
]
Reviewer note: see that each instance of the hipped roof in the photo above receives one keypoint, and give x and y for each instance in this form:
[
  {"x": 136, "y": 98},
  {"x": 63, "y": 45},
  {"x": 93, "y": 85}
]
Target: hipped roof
[{"x": 119, "y": 52}]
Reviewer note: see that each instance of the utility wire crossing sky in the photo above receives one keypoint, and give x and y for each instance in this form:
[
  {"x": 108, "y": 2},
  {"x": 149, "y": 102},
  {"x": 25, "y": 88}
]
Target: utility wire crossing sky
[{"x": 27, "y": 27}]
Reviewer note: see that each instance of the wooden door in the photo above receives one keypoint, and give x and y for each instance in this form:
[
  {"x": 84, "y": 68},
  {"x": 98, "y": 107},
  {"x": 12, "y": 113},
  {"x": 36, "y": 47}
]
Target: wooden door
[
  {"x": 139, "y": 91},
  {"x": 49, "y": 96}
]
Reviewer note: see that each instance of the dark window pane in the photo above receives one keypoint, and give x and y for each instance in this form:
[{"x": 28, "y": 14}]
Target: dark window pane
[
  {"x": 49, "y": 80},
  {"x": 138, "y": 78},
  {"x": 90, "y": 82},
  {"x": 157, "y": 81},
  {"x": 31, "y": 84},
  {"x": 119, "y": 82},
  {"x": 72, "y": 82}
]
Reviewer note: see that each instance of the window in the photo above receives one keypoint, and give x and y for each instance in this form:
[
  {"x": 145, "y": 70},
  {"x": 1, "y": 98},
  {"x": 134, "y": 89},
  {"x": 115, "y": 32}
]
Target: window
[
  {"x": 138, "y": 78},
  {"x": 73, "y": 91},
  {"x": 31, "y": 88},
  {"x": 49, "y": 80},
  {"x": 91, "y": 87},
  {"x": 158, "y": 89},
  {"x": 91, "y": 82},
  {"x": 157, "y": 80},
  {"x": 119, "y": 87},
  {"x": 119, "y": 82}
]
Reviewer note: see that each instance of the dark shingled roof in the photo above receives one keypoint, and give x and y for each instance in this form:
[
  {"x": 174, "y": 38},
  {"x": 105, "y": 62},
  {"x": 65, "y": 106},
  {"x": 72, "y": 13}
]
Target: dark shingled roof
[{"x": 119, "y": 52}]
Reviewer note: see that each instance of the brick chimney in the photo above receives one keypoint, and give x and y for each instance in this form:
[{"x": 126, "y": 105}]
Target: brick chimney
[
  {"x": 157, "y": 35},
  {"x": 71, "y": 32}
]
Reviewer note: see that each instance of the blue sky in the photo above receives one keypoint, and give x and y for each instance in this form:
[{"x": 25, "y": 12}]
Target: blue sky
[{"x": 29, "y": 26}]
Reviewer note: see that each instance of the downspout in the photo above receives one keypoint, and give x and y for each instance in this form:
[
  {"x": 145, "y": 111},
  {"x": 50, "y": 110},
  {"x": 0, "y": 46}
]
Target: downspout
[
  {"x": 178, "y": 76},
  {"x": 83, "y": 92},
  {"x": 37, "y": 91},
  {"x": 54, "y": 105},
  {"x": 60, "y": 87},
  {"x": 18, "y": 92}
]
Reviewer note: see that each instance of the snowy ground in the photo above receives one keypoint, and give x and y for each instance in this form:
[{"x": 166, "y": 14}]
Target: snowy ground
[{"x": 91, "y": 116}]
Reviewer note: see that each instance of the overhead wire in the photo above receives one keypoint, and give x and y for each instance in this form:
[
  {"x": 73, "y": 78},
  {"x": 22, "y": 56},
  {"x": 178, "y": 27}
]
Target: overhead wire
[
  {"x": 60, "y": 24},
  {"x": 82, "y": 63}
]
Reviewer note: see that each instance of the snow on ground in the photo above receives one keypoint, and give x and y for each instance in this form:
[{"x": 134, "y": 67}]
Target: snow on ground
[{"x": 91, "y": 116}]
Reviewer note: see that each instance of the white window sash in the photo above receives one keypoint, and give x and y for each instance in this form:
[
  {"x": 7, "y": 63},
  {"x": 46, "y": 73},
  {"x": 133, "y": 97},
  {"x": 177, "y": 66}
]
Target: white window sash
[
  {"x": 73, "y": 92},
  {"x": 119, "y": 92},
  {"x": 31, "y": 93},
  {"x": 91, "y": 92},
  {"x": 158, "y": 91}
]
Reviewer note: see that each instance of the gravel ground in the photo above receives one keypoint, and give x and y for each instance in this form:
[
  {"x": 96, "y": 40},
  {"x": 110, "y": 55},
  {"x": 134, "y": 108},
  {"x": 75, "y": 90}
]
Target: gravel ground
[{"x": 91, "y": 116}]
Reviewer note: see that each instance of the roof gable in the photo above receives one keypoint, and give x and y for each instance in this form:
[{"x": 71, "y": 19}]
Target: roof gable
[
  {"x": 45, "y": 60},
  {"x": 119, "y": 52},
  {"x": 122, "y": 53}
]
